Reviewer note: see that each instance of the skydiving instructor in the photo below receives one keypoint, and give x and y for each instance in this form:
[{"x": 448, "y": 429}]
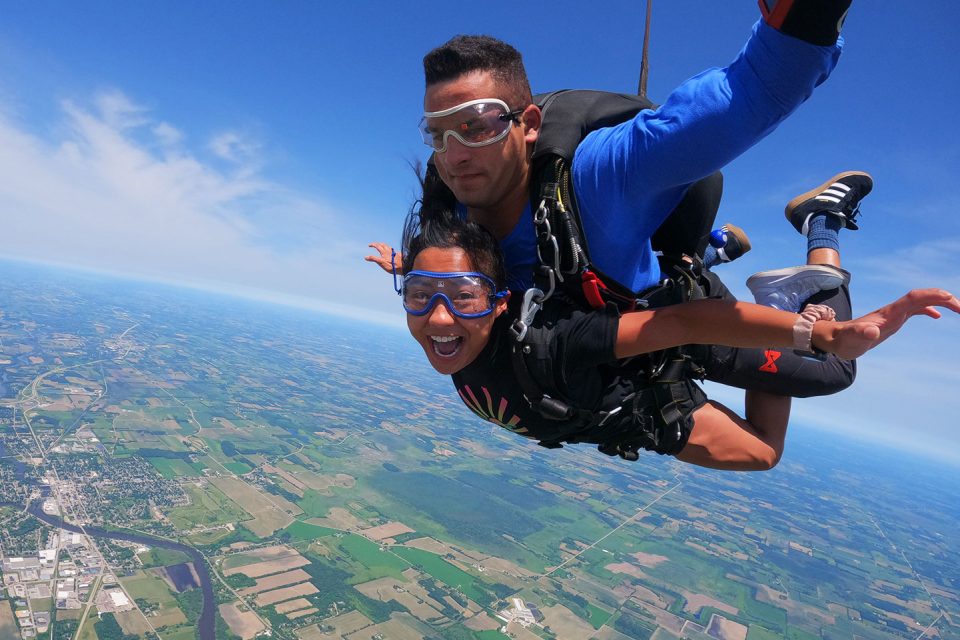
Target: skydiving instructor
[{"x": 626, "y": 178}]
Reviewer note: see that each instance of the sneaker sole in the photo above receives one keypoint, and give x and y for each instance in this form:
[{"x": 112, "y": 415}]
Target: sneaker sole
[
  {"x": 803, "y": 197},
  {"x": 754, "y": 280},
  {"x": 740, "y": 235}
]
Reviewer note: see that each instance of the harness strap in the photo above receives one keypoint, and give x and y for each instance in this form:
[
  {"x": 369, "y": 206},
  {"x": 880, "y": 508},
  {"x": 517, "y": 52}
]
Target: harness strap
[{"x": 548, "y": 407}]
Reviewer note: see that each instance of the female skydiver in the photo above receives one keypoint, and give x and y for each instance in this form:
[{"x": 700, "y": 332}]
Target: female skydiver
[{"x": 457, "y": 310}]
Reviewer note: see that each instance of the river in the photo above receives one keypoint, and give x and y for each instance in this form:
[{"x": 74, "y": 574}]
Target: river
[{"x": 207, "y": 621}]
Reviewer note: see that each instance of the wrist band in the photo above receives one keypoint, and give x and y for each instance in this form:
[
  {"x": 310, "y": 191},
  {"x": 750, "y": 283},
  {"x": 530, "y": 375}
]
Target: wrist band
[{"x": 803, "y": 327}]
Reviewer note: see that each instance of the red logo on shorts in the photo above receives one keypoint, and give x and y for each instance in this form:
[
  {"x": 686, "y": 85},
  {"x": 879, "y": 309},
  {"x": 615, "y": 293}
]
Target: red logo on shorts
[{"x": 770, "y": 365}]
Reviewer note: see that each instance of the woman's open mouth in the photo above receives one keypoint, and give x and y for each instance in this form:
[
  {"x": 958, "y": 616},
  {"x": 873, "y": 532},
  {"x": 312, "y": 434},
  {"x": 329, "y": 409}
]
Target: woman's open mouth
[{"x": 446, "y": 346}]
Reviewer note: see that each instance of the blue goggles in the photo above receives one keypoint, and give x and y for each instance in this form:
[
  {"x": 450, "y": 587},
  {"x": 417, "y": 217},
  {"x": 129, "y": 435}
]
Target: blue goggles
[{"x": 467, "y": 294}]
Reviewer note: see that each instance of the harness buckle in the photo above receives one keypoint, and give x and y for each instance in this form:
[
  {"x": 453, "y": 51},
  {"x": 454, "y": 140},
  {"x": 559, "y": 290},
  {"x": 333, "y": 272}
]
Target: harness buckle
[
  {"x": 542, "y": 211},
  {"x": 532, "y": 303}
]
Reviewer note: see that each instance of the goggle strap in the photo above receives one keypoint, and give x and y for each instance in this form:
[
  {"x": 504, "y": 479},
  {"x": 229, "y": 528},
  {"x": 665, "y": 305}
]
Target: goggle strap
[{"x": 393, "y": 266}]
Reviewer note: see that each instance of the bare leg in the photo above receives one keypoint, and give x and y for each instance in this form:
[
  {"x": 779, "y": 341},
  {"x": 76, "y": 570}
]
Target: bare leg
[
  {"x": 720, "y": 439},
  {"x": 824, "y": 256}
]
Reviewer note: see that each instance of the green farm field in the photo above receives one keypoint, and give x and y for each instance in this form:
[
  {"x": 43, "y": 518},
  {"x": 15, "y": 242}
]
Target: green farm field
[
  {"x": 442, "y": 571},
  {"x": 209, "y": 506}
]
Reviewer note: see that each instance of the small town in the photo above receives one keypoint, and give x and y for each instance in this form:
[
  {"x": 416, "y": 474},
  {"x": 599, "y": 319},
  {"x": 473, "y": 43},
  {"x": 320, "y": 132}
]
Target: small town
[{"x": 64, "y": 573}]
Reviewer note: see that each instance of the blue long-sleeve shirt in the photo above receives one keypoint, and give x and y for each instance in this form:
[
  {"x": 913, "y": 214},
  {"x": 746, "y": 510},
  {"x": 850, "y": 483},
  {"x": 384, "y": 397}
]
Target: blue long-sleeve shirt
[{"x": 629, "y": 177}]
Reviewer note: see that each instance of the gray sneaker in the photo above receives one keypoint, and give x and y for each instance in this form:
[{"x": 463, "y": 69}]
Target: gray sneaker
[{"x": 788, "y": 289}]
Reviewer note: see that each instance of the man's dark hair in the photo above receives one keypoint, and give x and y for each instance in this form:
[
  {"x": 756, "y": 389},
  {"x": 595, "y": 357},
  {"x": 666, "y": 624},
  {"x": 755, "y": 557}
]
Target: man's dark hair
[
  {"x": 463, "y": 54},
  {"x": 450, "y": 231}
]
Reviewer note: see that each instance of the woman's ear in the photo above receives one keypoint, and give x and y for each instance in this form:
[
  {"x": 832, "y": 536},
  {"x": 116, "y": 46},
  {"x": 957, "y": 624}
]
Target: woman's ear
[{"x": 501, "y": 305}]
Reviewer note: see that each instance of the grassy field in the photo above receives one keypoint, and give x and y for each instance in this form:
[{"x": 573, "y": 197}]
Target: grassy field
[
  {"x": 371, "y": 562},
  {"x": 238, "y": 468},
  {"x": 302, "y": 531},
  {"x": 173, "y": 468},
  {"x": 756, "y": 632},
  {"x": 88, "y": 632},
  {"x": 209, "y": 506},
  {"x": 63, "y": 614},
  {"x": 794, "y": 633},
  {"x": 598, "y": 616},
  {"x": 442, "y": 571},
  {"x": 151, "y": 588},
  {"x": 180, "y": 632},
  {"x": 158, "y": 557}
]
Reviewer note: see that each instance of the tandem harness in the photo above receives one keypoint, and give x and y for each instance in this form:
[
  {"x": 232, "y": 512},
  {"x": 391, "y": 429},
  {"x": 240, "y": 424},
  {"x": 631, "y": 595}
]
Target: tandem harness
[{"x": 656, "y": 414}]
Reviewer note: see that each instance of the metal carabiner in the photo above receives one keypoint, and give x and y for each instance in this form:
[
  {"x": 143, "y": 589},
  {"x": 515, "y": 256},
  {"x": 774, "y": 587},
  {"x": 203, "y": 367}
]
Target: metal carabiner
[{"x": 532, "y": 303}]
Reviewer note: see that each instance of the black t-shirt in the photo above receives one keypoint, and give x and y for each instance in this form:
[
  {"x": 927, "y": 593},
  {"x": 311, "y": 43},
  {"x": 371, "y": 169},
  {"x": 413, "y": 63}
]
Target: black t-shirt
[{"x": 579, "y": 347}]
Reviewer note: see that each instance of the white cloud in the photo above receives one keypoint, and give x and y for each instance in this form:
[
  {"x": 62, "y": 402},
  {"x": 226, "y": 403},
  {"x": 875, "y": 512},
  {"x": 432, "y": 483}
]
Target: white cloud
[
  {"x": 232, "y": 147},
  {"x": 119, "y": 112},
  {"x": 930, "y": 263},
  {"x": 167, "y": 134},
  {"x": 115, "y": 189}
]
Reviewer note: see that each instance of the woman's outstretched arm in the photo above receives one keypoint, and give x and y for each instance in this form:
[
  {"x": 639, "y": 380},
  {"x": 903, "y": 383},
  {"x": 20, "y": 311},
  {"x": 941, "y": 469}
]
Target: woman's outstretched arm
[{"x": 744, "y": 324}]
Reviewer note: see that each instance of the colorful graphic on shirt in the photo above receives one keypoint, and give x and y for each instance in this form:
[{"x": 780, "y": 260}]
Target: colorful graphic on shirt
[{"x": 486, "y": 411}]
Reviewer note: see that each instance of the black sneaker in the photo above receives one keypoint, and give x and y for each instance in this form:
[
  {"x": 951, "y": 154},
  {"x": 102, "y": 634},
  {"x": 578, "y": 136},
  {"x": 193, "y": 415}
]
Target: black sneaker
[
  {"x": 839, "y": 196},
  {"x": 730, "y": 241}
]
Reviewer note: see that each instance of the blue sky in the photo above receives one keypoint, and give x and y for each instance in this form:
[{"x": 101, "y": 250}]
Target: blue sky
[{"x": 256, "y": 147}]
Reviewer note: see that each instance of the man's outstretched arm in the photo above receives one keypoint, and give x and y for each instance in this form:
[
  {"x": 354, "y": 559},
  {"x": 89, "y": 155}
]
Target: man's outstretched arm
[{"x": 815, "y": 21}]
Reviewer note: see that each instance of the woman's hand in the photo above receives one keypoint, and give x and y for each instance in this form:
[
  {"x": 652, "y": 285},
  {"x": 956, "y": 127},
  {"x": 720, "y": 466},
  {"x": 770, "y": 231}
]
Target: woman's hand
[
  {"x": 386, "y": 258},
  {"x": 853, "y": 338}
]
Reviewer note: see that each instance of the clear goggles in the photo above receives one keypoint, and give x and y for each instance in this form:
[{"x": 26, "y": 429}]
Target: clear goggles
[
  {"x": 465, "y": 294},
  {"x": 476, "y": 123}
]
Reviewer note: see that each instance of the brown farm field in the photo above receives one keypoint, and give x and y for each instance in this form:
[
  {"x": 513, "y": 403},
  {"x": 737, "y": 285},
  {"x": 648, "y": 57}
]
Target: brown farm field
[
  {"x": 257, "y": 555},
  {"x": 8, "y": 624},
  {"x": 293, "y": 605},
  {"x": 385, "y": 531},
  {"x": 132, "y": 622},
  {"x": 343, "y": 625},
  {"x": 397, "y": 628},
  {"x": 242, "y": 623},
  {"x": 274, "y": 581},
  {"x": 565, "y": 624},
  {"x": 338, "y": 518},
  {"x": 287, "y": 593},
  {"x": 269, "y": 512},
  {"x": 413, "y": 597},
  {"x": 259, "y": 569}
]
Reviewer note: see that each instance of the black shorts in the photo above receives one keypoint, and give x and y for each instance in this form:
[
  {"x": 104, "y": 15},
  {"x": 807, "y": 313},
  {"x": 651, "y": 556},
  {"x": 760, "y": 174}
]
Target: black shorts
[{"x": 781, "y": 371}]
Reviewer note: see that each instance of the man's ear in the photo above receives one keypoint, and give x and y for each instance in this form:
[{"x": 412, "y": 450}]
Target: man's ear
[{"x": 531, "y": 119}]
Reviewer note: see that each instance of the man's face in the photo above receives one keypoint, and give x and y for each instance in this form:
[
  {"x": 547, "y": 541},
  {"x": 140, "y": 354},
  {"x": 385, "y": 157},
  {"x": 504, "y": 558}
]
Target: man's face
[
  {"x": 481, "y": 177},
  {"x": 450, "y": 342}
]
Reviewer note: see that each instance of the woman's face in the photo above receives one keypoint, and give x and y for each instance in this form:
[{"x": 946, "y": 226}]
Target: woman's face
[{"x": 450, "y": 342}]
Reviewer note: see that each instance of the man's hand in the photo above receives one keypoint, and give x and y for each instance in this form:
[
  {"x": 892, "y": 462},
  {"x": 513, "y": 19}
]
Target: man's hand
[
  {"x": 855, "y": 337},
  {"x": 387, "y": 258}
]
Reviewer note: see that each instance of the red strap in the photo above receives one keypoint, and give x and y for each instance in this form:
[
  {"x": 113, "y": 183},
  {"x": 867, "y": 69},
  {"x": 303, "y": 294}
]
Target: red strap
[
  {"x": 775, "y": 15},
  {"x": 594, "y": 290},
  {"x": 591, "y": 289}
]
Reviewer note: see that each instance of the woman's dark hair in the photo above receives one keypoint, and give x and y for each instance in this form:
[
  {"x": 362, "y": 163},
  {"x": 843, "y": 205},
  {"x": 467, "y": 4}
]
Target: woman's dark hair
[{"x": 436, "y": 225}]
